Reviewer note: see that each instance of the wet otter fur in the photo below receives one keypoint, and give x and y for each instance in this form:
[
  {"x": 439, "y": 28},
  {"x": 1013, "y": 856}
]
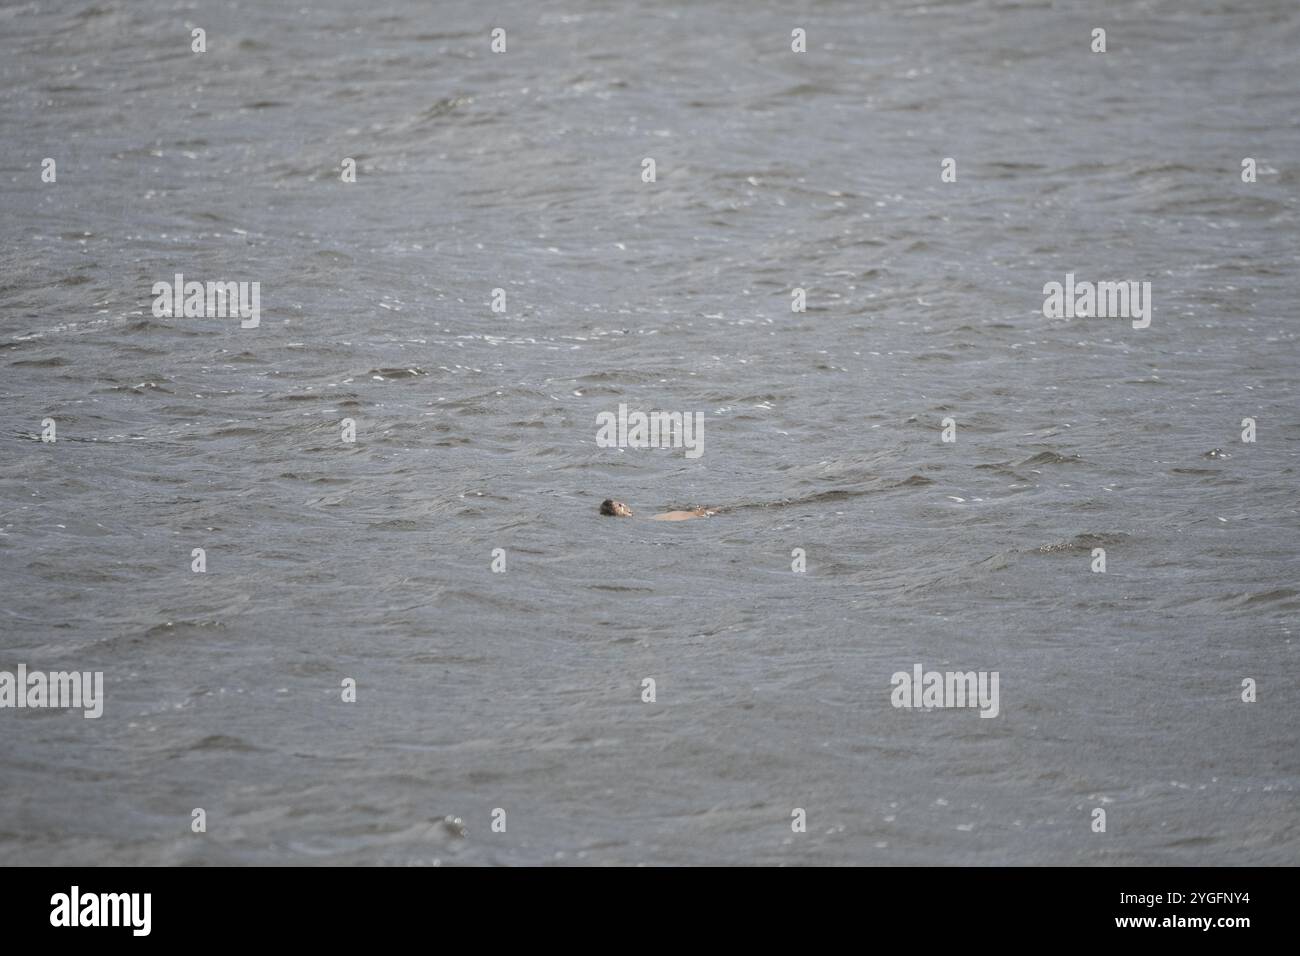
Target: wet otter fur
[{"x": 617, "y": 509}]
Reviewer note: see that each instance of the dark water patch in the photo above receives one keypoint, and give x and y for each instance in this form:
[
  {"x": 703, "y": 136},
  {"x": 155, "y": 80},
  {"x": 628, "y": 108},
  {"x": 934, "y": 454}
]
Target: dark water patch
[
  {"x": 53, "y": 361},
  {"x": 396, "y": 373},
  {"x": 218, "y": 742},
  {"x": 1050, "y": 458}
]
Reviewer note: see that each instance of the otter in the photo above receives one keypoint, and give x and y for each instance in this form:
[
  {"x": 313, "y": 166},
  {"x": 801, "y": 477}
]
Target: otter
[{"x": 619, "y": 510}]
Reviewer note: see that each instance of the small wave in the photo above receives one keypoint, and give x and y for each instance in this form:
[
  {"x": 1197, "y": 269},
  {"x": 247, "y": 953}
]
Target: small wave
[{"x": 1085, "y": 542}]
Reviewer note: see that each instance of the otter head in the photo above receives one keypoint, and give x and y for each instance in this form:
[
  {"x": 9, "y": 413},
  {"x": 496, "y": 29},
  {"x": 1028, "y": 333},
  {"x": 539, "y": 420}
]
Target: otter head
[{"x": 616, "y": 508}]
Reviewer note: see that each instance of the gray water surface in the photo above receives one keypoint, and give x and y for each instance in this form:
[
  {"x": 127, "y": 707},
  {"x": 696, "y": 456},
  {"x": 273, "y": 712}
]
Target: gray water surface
[{"x": 476, "y": 431}]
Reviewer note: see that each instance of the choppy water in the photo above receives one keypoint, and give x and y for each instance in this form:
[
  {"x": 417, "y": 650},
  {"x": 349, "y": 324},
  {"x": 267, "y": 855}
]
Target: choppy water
[{"x": 476, "y": 431}]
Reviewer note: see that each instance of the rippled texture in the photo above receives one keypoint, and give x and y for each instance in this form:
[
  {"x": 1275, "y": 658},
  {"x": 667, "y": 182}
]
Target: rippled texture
[{"x": 822, "y": 431}]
